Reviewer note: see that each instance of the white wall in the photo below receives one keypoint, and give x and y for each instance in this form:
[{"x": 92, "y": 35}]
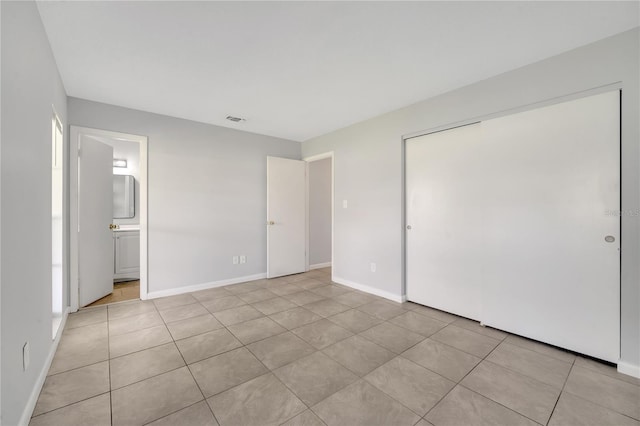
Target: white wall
[
  {"x": 369, "y": 164},
  {"x": 30, "y": 86},
  {"x": 207, "y": 193},
  {"x": 320, "y": 211}
]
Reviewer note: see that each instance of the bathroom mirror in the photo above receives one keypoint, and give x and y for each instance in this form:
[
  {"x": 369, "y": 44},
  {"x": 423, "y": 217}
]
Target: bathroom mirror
[{"x": 124, "y": 204}]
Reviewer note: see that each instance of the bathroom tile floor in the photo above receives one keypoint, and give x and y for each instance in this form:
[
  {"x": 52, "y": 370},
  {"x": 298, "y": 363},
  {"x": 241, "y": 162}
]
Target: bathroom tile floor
[{"x": 303, "y": 350}]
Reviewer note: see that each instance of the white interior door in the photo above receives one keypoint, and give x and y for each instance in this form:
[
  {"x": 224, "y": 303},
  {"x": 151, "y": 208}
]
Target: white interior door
[
  {"x": 95, "y": 212},
  {"x": 444, "y": 230},
  {"x": 286, "y": 216},
  {"x": 552, "y": 249}
]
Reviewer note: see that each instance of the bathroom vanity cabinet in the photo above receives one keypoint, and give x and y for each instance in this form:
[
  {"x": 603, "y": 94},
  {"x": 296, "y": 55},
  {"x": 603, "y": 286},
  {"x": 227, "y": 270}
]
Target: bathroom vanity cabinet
[{"x": 126, "y": 246}]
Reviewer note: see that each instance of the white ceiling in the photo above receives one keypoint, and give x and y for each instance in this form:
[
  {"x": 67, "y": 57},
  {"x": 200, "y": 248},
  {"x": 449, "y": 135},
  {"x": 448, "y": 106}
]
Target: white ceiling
[{"x": 301, "y": 69}]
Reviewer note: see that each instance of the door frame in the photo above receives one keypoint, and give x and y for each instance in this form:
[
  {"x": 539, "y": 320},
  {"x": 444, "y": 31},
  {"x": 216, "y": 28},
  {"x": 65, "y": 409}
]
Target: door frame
[
  {"x": 57, "y": 321},
  {"x": 75, "y": 133},
  {"x": 310, "y": 159}
]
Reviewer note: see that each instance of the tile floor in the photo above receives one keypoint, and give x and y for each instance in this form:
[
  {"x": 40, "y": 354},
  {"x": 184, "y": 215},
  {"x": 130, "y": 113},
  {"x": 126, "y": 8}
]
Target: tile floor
[
  {"x": 300, "y": 350},
  {"x": 127, "y": 290}
]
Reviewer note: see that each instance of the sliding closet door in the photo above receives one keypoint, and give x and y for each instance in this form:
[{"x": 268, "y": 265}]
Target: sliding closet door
[
  {"x": 552, "y": 182},
  {"x": 444, "y": 229}
]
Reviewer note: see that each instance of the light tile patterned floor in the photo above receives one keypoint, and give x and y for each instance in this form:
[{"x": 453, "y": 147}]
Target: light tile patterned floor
[{"x": 301, "y": 350}]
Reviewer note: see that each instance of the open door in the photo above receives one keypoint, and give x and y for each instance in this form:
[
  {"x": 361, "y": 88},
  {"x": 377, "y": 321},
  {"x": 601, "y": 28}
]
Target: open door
[
  {"x": 95, "y": 213},
  {"x": 286, "y": 216}
]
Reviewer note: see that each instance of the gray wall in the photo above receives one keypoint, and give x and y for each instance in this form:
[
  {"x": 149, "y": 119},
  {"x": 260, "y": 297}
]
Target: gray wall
[
  {"x": 30, "y": 86},
  {"x": 320, "y": 211},
  {"x": 369, "y": 163},
  {"x": 207, "y": 193}
]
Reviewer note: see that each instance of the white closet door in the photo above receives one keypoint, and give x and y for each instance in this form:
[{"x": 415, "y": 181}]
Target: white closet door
[
  {"x": 444, "y": 229},
  {"x": 552, "y": 249}
]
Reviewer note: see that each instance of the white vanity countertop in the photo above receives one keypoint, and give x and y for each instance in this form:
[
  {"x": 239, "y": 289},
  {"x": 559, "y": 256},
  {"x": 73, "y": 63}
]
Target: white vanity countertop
[{"x": 127, "y": 228}]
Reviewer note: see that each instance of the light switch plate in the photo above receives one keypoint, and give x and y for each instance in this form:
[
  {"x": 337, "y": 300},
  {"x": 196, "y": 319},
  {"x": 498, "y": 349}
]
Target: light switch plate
[
  {"x": 373, "y": 267},
  {"x": 344, "y": 204},
  {"x": 235, "y": 260},
  {"x": 243, "y": 259}
]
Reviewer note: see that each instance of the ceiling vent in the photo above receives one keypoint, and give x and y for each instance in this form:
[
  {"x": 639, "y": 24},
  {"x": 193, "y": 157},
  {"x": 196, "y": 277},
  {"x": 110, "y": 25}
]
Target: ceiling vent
[{"x": 235, "y": 119}]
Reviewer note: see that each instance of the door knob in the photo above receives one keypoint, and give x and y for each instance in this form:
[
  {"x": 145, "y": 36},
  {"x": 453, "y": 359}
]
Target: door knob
[
  {"x": 113, "y": 226},
  {"x": 609, "y": 238},
  {"x": 408, "y": 226},
  {"x": 271, "y": 222}
]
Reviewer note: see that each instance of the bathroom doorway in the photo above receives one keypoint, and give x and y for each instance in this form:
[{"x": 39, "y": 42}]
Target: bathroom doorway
[{"x": 108, "y": 217}]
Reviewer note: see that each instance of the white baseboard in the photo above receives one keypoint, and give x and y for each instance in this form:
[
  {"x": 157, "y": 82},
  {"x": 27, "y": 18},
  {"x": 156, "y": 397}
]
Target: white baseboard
[
  {"x": 368, "y": 289},
  {"x": 629, "y": 369},
  {"x": 320, "y": 265},
  {"x": 37, "y": 387},
  {"x": 204, "y": 286}
]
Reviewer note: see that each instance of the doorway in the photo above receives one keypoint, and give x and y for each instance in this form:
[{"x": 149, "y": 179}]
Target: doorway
[
  {"x": 299, "y": 214},
  {"x": 320, "y": 211},
  {"x": 120, "y": 255}
]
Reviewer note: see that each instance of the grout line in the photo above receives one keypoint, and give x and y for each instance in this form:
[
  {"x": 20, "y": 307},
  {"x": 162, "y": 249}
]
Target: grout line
[
  {"x": 540, "y": 354},
  {"x": 270, "y": 371},
  {"x": 601, "y": 406},
  {"x": 78, "y": 368},
  {"x": 594, "y": 371},
  {"x": 546, "y": 345},
  {"x": 190, "y": 372},
  {"x": 500, "y": 404},
  {"x": 184, "y": 408},
  {"x": 597, "y": 403},
  {"x": 72, "y": 403},
  {"x": 317, "y": 415},
  {"x": 497, "y": 402},
  {"x": 525, "y": 375},
  {"x": 154, "y": 375},
  {"x": 211, "y": 411},
  {"x": 458, "y": 383},
  {"x": 245, "y": 346},
  {"x": 391, "y": 396},
  {"x": 566, "y": 379},
  {"x": 109, "y": 371},
  {"x": 131, "y": 315}
]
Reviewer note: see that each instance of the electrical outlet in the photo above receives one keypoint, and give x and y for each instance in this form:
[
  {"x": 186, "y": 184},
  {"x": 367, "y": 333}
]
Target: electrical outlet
[
  {"x": 373, "y": 267},
  {"x": 26, "y": 357},
  {"x": 235, "y": 260},
  {"x": 243, "y": 259}
]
